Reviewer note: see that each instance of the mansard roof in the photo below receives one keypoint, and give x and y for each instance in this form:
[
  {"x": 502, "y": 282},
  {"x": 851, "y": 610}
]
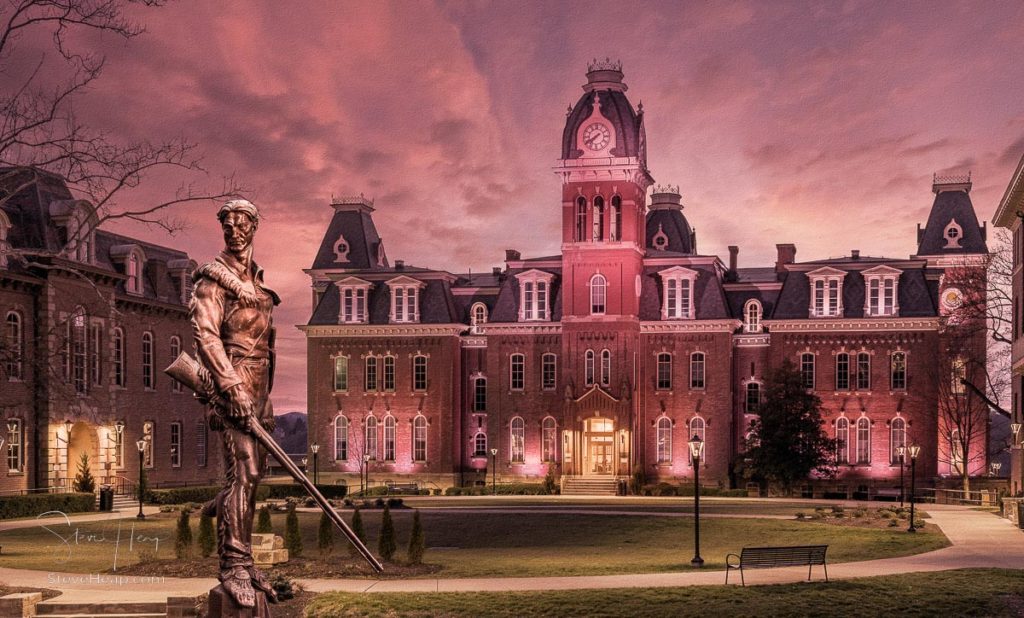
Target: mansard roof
[
  {"x": 950, "y": 206},
  {"x": 506, "y": 307},
  {"x": 708, "y": 295},
  {"x": 675, "y": 228},
  {"x": 738, "y": 298},
  {"x": 917, "y": 295},
  {"x": 357, "y": 227},
  {"x": 615, "y": 108},
  {"x": 436, "y": 304}
]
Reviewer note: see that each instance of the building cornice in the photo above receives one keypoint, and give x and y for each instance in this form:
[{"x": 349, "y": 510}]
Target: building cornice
[
  {"x": 1013, "y": 199},
  {"x": 690, "y": 326},
  {"x": 853, "y": 324},
  {"x": 752, "y": 340},
  {"x": 520, "y": 328},
  {"x": 381, "y": 330},
  {"x": 953, "y": 261}
]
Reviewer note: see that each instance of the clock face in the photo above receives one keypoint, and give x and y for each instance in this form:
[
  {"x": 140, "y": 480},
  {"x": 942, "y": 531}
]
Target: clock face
[
  {"x": 596, "y": 136},
  {"x": 951, "y": 298}
]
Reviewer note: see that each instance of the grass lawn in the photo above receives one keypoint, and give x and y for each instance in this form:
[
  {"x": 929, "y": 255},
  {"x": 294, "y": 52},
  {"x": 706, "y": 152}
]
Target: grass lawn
[
  {"x": 467, "y": 544},
  {"x": 969, "y": 592}
]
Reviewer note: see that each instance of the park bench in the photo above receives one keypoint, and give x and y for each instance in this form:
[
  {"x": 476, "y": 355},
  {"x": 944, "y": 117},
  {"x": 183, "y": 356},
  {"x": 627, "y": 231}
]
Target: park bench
[
  {"x": 769, "y": 557},
  {"x": 887, "y": 493},
  {"x": 402, "y": 488}
]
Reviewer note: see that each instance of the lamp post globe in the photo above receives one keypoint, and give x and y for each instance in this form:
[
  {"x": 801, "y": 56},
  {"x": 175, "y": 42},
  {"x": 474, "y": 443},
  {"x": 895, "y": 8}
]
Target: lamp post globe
[
  {"x": 913, "y": 450},
  {"x": 696, "y": 451},
  {"x": 494, "y": 471},
  {"x": 141, "y": 445}
]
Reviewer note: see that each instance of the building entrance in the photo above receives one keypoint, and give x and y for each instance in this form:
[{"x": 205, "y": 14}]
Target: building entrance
[{"x": 599, "y": 446}]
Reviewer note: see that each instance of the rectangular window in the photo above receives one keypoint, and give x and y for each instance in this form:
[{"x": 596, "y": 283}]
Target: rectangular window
[
  {"x": 889, "y": 297},
  {"x": 606, "y": 368},
  {"x": 518, "y": 372},
  {"x": 94, "y": 354},
  {"x": 201, "y": 444},
  {"x": 863, "y": 371},
  {"x": 697, "y": 371},
  {"x": 819, "y": 298},
  {"x": 79, "y": 349},
  {"x": 547, "y": 371},
  {"x": 419, "y": 439},
  {"x": 807, "y": 370},
  {"x": 389, "y": 438},
  {"x": 480, "y": 395},
  {"x": 419, "y": 373},
  {"x": 370, "y": 378},
  {"x": 753, "y": 398},
  {"x": 175, "y": 445},
  {"x": 15, "y": 451},
  {"x": 664, "y": 372},
  {"x": 542, "y": 300},
  {"x": 528, "y": 300},
  {"x": 119, "y": 378},
  {"x": 404, "y": 303},
  {"x": 684, "y": 298},
  {"x": 899, "y": 371},
  {"x": 399, "y": 311},
  {"x": 672, "y": 298},
  {"x": 842, "y": 372},
  {"x": 959, "y": 375},
  {"x": 118, "y": 439},
  {"x": 833, "y": 297},
  {"x": 147, "y": 360},
  {"x": 340, "y": 374},
  {"x": 389, "y": 373},
  {"x": 354, "y": 305}
]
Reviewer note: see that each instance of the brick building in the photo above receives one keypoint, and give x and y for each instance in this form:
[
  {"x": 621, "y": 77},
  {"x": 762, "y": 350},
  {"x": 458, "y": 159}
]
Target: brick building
[
  {"x": 91, "y": 318},
  {"x": 611, "y": 355}
]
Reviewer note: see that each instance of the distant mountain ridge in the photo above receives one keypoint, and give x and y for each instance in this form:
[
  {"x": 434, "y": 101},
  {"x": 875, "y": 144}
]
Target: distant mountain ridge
[{"x": 291, "y": 432}]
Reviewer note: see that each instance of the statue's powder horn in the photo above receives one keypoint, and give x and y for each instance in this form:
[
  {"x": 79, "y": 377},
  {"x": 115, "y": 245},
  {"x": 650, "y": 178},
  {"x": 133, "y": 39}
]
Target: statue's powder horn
[{"x": 189, "y": 372}]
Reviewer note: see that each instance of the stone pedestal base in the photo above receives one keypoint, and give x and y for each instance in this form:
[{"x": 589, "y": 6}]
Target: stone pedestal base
[{"x": 221, "y": 605}]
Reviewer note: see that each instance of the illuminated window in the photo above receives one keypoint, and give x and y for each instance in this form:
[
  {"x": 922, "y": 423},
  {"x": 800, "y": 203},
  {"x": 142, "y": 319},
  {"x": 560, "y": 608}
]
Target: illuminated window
[
  {"x": 419, "y": 373},
  {"x": 79, "y": 352},
  {"x": 842, "y": 440},
  {"x": 340, "y": 438},
  {"x": 548, "y": 369},
  {"x": 149, "y": 435},
  {"x": 959, "y": 375},
  {"x": 15, "y": 450},
  {"x": 419, "y": 438},
  {"x": 863, "y": 440},
  {"x": 898, "y": 369},
  {"x": 389, "y": 438},
  {"x": 518, "y": 439},
  {"x": 897, "y": 438},
  {"x": 340, "y": 374},
  {"x": 547, "y": 439},
  {"x": 598, "y": 294},
  {"x": 664, "y": 371},
  {"x": 664, "y": 440},
  {"x": 588, "y": 368}
]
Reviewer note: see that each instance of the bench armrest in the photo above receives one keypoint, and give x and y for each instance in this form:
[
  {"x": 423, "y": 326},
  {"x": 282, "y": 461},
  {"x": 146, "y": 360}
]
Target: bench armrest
[{"x": 730, "y": 565}]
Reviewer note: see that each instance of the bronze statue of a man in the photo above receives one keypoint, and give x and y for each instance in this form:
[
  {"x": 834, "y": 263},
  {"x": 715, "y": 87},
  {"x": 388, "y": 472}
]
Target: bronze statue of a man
[{"x": 234, "y": 334}]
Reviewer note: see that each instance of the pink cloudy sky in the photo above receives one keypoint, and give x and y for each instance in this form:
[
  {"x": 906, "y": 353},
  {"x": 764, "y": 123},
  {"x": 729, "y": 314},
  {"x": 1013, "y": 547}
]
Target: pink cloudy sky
[{"x": 819, "y": 124}]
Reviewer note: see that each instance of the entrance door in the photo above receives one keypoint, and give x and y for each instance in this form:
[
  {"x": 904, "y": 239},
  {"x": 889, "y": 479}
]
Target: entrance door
[
  {"x": 601, "y": 457},
  {"x": 600, "y": 446}
]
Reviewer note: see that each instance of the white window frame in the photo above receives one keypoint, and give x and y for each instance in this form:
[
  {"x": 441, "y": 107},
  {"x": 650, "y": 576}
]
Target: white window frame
[
  {"x": 863, "y": 377},
  {"x": 664, "y": 440},
  {"x": 881, "y": 291},
  {"x": 863, "y": 441},
  {"x": 848, "y": 373},
  {"x": 615, "y": 219},
  {"x": 897, "y": 438},
  {"x": 663, "y": 361},
  {"x": 698, "y": 426},
  {"x": 370, "y": 435},
  {"x": 826, "y": 298},
  {"x": 517, "y": 440},
  {"x": 842, "y": 440},
  {"x": 339, "y": 377},
  {"x": 549, "y": 371},
  {"x": 606, "y": 367},
  {"x": 534, "y": 295},
  {"x": 175, "y": 433},
  {"x": 678, "y": 284},
  {"x": 517, "y": 371},
  {"x": 419, "y": 438},
  {"x": 405, "y": 300},
  {"x": 480, "y": 444},
  {"x": 354, "y": 300},
  {"x": 589, "y": 367},
  {"x": 548, "y": 440},
  {"x": 390, "y": 429},
  {"x": 598, "y": 285},
  {"x": 893, "y": 370},
  {"x": 148, "y": 364},
  {"x": 752, "y": 314},
  {"x": 388, "y": 374},
  {"x": 420, "y": 373},
  {"x": 477, "y": 316},
  {"x": 15, "y": 446},
  {"x": 803, "y": 364},
  {"x": 341, "y": 437},
  {"x": 698, "y": 371}
]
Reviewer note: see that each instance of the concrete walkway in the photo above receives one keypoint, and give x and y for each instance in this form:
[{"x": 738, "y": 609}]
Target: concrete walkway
[{"x": 979, "y": 539}]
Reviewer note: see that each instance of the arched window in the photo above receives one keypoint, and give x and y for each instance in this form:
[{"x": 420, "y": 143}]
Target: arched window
[
  {"x": 477, "y": 316},
  {"x": 842, "y": 440},
  {"x": 175, "y": 351},
  {"x": 863, "y": 371},
  {"x": 697, "y": 371},
  {"x": 697, "y": 426},
  {"x": 581, "y": 219},
  {"x": 371, "y": 437},
  {"x": 119, "y": 366},
  {"x": 389, "y": 373},
  {"x": 148, "y": 376},
  {"x": 842, "y": 371},
  {"x": 664, "y": 440},
  {"x": 863, "y": 440},
  {"x": 389, "y": 438},
  {"x": 419, "y": 373},
  {"x": 606, "y": 368},
  {"x": 897, "y": 438},
  {"x": 616, "y": 219},
  {"x": 807, "y": 370},
  {"x": 134, "y": 282},
  {"x": 79, "y": 348},
  {"x": 517, "y": 372},
  {"x": 664, "y": 371},
  {"x": 898, "y": 371},
  {"x": 419, "y": 438},
  {"x": 480, "y": 395},
  {"x": 15, "y": 452},
  {"x": 15, "y": 346},
  {"x": 753, "y": 402},
  {"x": 752, "y": 317},
  {"x": 588, "y": 368},
  {"x": 340, "y": 438},
  {"x": 340, "y": 374},
  {"x": 598, "y": 294},
  {"x": 547, "y": 439},
  {"x": 548, "y": 371},
  {"x": 480, "y": 445},
  {"x": 598, "y": 218},
  {"x": 518, "y": 440}
]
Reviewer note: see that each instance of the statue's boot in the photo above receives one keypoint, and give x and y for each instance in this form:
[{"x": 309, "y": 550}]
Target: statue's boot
[
  {"x": 238, "y": 584},
  {"x": 260, "y": 581}
]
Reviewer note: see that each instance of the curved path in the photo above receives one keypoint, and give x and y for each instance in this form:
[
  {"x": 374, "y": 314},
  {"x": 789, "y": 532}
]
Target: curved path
[{"x": 979, "y": 539}]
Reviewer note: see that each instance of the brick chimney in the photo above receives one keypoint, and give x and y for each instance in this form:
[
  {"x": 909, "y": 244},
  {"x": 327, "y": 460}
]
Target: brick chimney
[
  {"x": 733, "y": 252},
  {"x": 511, "y": 255},
  {"x": 399, "y": 264},
  {"x": 855, "y": 254},
  {"x": 787, "y": 255}
]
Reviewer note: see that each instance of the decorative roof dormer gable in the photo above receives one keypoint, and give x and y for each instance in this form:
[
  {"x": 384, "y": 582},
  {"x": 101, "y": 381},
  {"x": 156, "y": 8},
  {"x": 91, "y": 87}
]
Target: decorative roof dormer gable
[
  {"x": 534, "y": 295},
  {"x": 351, "y": 241},
  {"x": 405, "y": 299},
  {"x": 341, "y": 248},
  {"x": 353, "y": 294},
  {"x": 826, "y": 292},
  {"x": 181, "y": 274},
  {"x": 677, "y": 301},
  {"x": 881, "y": 291},
  {"x": 77, "y": 221},
  {"x": 952, "y": 226},
  {"x": 131, "y": 260}
]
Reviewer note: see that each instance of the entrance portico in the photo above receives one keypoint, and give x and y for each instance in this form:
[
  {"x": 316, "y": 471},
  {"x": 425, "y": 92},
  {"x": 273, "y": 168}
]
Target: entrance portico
[{"x": 597, "y": 443}]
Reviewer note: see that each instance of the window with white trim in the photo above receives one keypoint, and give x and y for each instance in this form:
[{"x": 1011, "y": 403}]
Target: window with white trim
[
  {"x": 517, "y": 372},
  {"x": 370, "y": 374},
  {"x": 606, "y": 368},
  {"x": 664, "y": 440},
  {"x": 598, "y": 219},
  {"x": 598, "y": 294},
  {"x": 897, "y": 438},
  {"x": 340, "y": 438},
  {"x": 863, "y": 371},
  {"x": 697, "y": 367},
  {"x": 882, "y": 285},
  {"x": 517, "y": 431},
  {"x": 133, "y": 270},
  {"x": 419, "y": 373},
  {"x": 175, "y": 429},
  {"x": 371, "y": 436},
  {"x": 15, "y": 336},
  {"x": 664, "y": 382},
  {"x": 842, "y": 440},
  {"x": 353, "y": 304},
  {"x": 678, "y": 284},
  {"x": 753, "y": 399},
  {"x": 79, "y": 351},
  {"x": 898, "y": 371},
  {"x": 863, "y": 440},
  {"x": 419, "y": 438},
  {"x": 15, "y": 448},
  {"x": 340, "y": 374},
  {"x": 477, "y": 316},
  {"x": 148, "y": 375},
  {"x": 534, "y": 295},
  {"x": 826, "y": 292},
  {"x": 119, "y": 366},
  {"x": 175, "y": 351},
  {"x": 201, "y": 441},
  {"x": 480, "y": 444},
  {"x": 548, "y": 371},
  {"x": 480, "y": 395},
  {"x": 389, "y": 438},
  {"x": 581, "y": 219},
  {"x": 752, "y": 316},
  {"x": 548, "y": 435},
  {"x": 588, "y": 368},
  {"x": 807, "y": 370},
  {"x": 117, "y": 438},
  {"x": 405, "y": 294},
  {"x": 842, "y": 371},
  {"x": 389, "y": 373},
  {"x": 697, "y": 428}
]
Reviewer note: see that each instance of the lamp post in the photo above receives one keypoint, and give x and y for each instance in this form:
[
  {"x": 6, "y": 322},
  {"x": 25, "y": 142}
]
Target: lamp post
[
  {"x": 995, "y": 467},
  {"x": 494, "y": 472},
  {"x": 316, "y": 467},
  {"x": 696, "y": 450},
  {"x": 901, "y": 451},
  {"x": 913, "y": 450},
  {"x": 141, "y": 445},
  {"x": 366, "y": 469}
]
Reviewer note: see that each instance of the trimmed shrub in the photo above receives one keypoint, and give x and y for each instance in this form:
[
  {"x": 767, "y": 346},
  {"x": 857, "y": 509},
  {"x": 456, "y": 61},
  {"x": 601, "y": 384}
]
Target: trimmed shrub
[
  {"x": 183, "y": 536},
  {"x": 325, "y": 535},
  {"x": 396, "y": 503},
  {"x": 360, "y": 532},
  {"x": 283, "y": 586},
  {"x": 292, "y": 536},
  {"x": 207, "y": 538},
  {"x": 550, "y": 486},
  {"x": 179, "y": 495},
  {"x": 386, "y": 545},
  {"x": 801, "y": 516},
  {"x": 84, "y": 481},
  {"x": 33, "y": 505},
  {"x": 263, "y": 525},
  {"x": 417, "y": 541},
  {"x": 453, "y": 491}
]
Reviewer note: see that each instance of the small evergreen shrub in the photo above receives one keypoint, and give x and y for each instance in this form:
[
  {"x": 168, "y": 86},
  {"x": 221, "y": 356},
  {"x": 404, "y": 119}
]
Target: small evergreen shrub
[
  {"x": 292, "y": 535},
  {"x": 84, "y": 480},
  {"x": 325, "y": 535},
  {"x": 386, "y": 545},
  {"x": 207, "y": 538},
  {"x": 263, "y": 525},
  {"x": 417, "y": 541},
  {"x": 396, "y": 503},
  {"x": 183, "y": 536},
  {"x": 360, "y": 532}
]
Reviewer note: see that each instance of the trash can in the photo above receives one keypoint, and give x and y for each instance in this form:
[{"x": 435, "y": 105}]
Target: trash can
[{"x": 106, "y": 498}]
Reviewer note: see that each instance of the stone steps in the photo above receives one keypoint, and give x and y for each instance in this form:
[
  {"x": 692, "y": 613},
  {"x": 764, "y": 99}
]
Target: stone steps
[
  {"x": 56, "y": 609},
  {"x": 586, "y": 486}
]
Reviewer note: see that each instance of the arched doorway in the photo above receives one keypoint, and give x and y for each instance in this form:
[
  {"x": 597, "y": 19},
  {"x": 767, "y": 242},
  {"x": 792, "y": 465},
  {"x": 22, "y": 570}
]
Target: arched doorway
[
  {"x": 83, "y": 440},
  {"x": 599, "y": 446}
]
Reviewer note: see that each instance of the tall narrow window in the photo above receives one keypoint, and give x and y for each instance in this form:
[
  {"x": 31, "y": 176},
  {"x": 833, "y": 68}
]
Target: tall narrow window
[
  {"x": 340, "y": 374},
  {"x": 598, "y": 294},
  {"x": 697, "y": 371},
  {"x": 404, "y": 303},
  {"x": 547, "y": 440},
  {"x": 807, "y": 370},
  {"x": 370, "y": 376},
  {"x": 588, "y": 368},
  {"x": 598, "y": 218},
  {"x": 175, "y": 444},
  {"x": 863, "y": 371},
  {"x": 15, "y": 450},
  {"x": 606, "y": 368},
  {"x": 419, "y": 373},
  {"x": 353, "y": 304},
  {"x": 389, "y": 438},
  {"x": 480, "y": 445},
  {"x": 534, "y": 299},
  {"x": 664, "y": 371},
  {"x": 477, "y": 316},
  {"x": 677, "y": 299},
  {"x": 863, "y": 440},
  {"x": 898, "y": 370},
  {"x": 697, "y": 427},
  {"x": 79, "y": 351},
  {"x": 548, "y": 371},
  {"x": 958, "y": 377},
  {"x": 664, "y": 440},
  {"x": 147, "y": 360},
  {"x": 833, "y": 297},
  {"x": 753, "y": 397},
  {"x": 371, "y": 437},
  {"x": 117, "y": 441},
  {"x": 201, "y": 429},
  {"x": 119, "y": 377},
  {"x": 389, "y": 373},
  {"x": 133, "y": 284},
  {"x": 819, "y": 297},
  {"x": 826, "y": 292},
  {"x": 881, "y": 283},
  {"x": 752, "y": 323},
  {"x": 15, "y": 346},
  {"x": 616, "y": 219},
  {"x": 956, "y": 452},
  {"x": 518, "y": 443},
  {"x": 581, "y": 219},
  {"x": 480, "y": 395},
  {"x": 517, "y": 372},
  {"x": 897, "y": 438},
  {"x": 419, "y": 438},
  {"x": 340, "y": 438},
  {"x": 842, "y": 371},
  {"x": 175, "y": 351},
  {"x": 842, "y": 440}
]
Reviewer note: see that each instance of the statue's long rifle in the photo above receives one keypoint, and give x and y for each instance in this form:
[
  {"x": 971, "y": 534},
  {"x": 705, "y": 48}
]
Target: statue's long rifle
[{"x": 189, "y": 372}]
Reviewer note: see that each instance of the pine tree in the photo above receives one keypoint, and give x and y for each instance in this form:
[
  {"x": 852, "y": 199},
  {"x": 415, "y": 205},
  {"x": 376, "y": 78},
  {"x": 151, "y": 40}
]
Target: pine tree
[
  {"x": 360, "y": 532},
  {"x": 325, "y": 535},
  {"x": 417, "y": 542},
  {"x": 386, "y": 545},
  {"x": 84, "y": 481},
  {"x": 263, "y": 525},
  {"x": 207, "y": 538},
  {"x": 183, "y": 536},
  {"x": 292, "y": 536}
]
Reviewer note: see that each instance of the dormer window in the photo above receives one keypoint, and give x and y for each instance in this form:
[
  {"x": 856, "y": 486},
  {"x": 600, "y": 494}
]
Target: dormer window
[
  {"x": 881, "y": 291},
  {"x": 660, "y": 239},
  {"x": 677, "y": 301},
  {"x": 133, "y": 261},
  {"x": 181, "y": 272},
  {"x": 5, "y": 229},
  {"x": 826, "y": 292},
  {"x": 953, "y": 234},
  {"x": 341, "y": 248},
  {"x": 477, "y": 316},
  {"x": 77, "y": 222},
  {"x": 405, "y": 296},
  {"x": 534, "y": 295},
  {"x": 752, "y": 316},
  {"x": 353, "y": 294}
]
